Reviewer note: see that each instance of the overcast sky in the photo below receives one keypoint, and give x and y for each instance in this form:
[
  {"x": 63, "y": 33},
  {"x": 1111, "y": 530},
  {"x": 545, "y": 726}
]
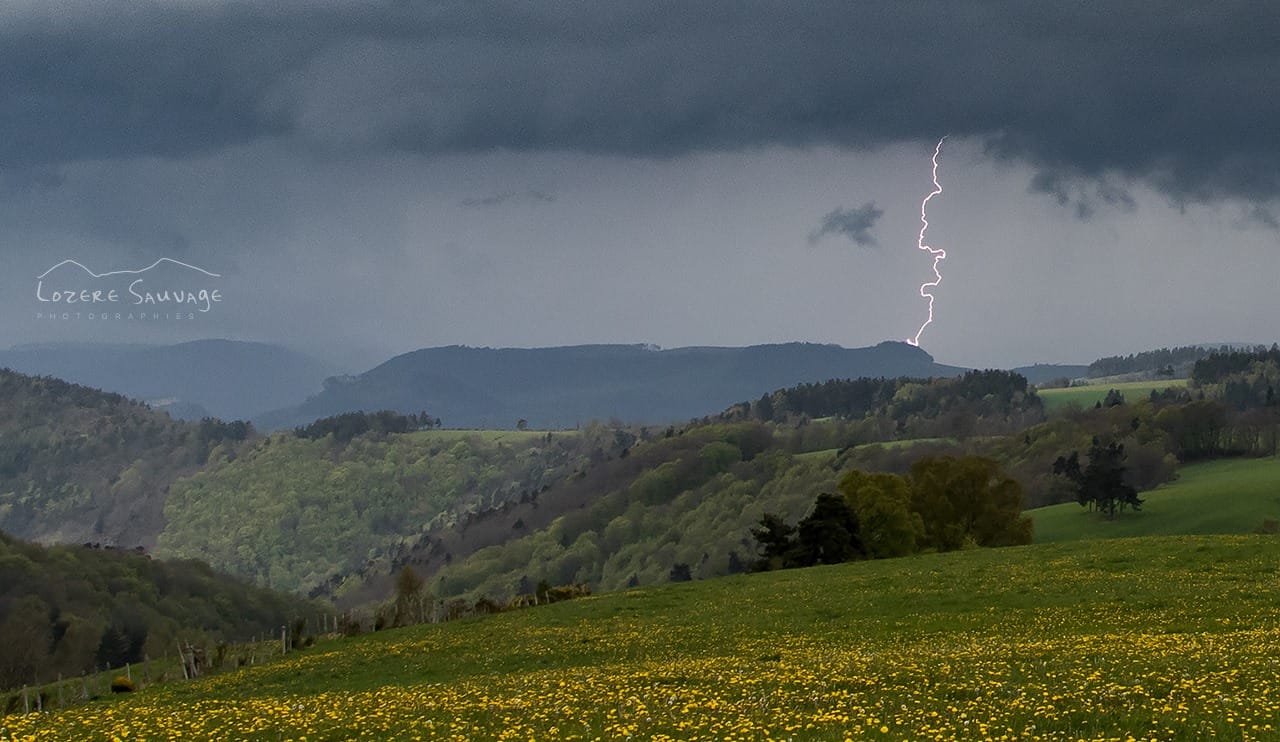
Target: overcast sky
[{"x": 371, "y": 178}]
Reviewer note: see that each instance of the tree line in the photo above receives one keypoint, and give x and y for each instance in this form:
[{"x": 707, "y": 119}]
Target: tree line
[
  {"x": 1166, "y": 360},
  {"x": 946, "y": 503},
  {"x": 348, "y": 425},
  {"x": 978, "y": 392}
]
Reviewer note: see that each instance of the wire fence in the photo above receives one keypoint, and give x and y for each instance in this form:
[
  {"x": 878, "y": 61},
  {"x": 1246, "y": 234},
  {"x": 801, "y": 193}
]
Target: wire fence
[{"x": 185, "y": 662}]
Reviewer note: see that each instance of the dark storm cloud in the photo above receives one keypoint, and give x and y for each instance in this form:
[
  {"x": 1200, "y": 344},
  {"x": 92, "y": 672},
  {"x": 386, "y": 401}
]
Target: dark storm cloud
[
  {"x": 1264, "y": 216},
  {"x": 856, "y": 224},
  {"x": 1181, "y": 95},
  {"x": 1083, "y": 197}
]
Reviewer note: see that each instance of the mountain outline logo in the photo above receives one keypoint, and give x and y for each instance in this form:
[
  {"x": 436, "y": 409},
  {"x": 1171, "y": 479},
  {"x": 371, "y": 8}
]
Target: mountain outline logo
[
  {"x": 84, "y": 268},
  {"x": 189, "y": 293}
]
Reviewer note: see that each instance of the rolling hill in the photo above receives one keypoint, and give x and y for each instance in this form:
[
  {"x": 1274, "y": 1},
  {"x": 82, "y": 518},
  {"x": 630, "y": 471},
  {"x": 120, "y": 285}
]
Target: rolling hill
[
  {"x": 565, "y": 387},
  {"x": 65, "y": 610},
  {"x": 78, "y": 464},
  {"x": 1087, "y": 396},
  {"x": 1164, "y": 638}
]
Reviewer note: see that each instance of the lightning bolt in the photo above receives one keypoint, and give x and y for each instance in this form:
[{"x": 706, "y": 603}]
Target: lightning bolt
[{"x": 939, "y": 255}]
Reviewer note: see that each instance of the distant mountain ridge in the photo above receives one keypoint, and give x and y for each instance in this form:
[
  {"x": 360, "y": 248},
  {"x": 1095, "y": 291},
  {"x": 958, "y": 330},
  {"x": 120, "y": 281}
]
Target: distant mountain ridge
[
  {"x": 565, "y": 386},
  {"x": 470, "y": 387},
  {"x": 230, "y": 379}
]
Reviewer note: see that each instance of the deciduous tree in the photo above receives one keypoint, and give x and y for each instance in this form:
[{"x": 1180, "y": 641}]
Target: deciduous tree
[
  {"x": 889, "y": 527},
  {"x": 968, "y": 498}
]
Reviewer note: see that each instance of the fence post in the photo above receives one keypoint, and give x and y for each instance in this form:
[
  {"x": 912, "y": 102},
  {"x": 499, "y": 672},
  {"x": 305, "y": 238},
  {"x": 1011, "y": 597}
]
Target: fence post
[
  {"x": 182, "y": 660},
  {"x": 59, "y": 690},
  {"x": 26, "y": 702},
  {"x": 284, "y": 640}
]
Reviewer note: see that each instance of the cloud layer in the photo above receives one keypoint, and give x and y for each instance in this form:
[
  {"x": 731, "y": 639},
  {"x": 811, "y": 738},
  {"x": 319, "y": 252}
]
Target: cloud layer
[
  {"x": 856, "y": 224},
  {"x": 1181, "y": 96}
]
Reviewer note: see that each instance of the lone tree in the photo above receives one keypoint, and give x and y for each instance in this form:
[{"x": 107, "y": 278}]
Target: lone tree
[{"x": 1100, "y": 485}]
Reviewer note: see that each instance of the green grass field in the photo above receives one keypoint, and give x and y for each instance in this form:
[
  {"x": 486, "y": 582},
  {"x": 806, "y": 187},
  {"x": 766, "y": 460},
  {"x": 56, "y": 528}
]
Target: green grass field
[
  {"x": 1172, "y": 638},
  {"x": 1231, "y": 496},
  {"x": 908, "y": 443},
  {"x": 1087, "y": 396},
  {"x": 495, "y": 435},
  {"x": 826, "y": 454},
  {"x": 830, "y": 453}
]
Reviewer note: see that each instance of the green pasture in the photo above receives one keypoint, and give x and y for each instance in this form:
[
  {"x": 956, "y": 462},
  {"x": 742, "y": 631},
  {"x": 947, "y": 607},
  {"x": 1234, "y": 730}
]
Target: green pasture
[
  {"x": 1087, "y": 396},
  {"x": 1227, "y": 496},
  {"x": 1169, "y": 638}
]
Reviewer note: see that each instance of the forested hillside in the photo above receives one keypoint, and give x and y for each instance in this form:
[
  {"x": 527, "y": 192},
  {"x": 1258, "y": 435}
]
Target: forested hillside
[
  {"x": 296, "y": 512},
  {"x": 320, "y": 512},
  {"x": 686, "y": 499},
  {"x": 77, "y": 464},
  {"x": 1243, "y": 380},
  {"x": 977, "y": 402},
  {"x": 1163, "y": 361},
  {"x": 337, "y": 508},
  {"x": 65, "y": 610},
  {"x": 684, "y": 503}
]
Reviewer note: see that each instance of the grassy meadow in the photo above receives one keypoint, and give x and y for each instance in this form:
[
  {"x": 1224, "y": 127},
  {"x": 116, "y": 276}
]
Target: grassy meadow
[
  {"x": 1169, "y": 638},
  {"x": 1086, "y": 396},
  {"x": 1227, "y": 496},
  {"x": 829, "y": 454}
]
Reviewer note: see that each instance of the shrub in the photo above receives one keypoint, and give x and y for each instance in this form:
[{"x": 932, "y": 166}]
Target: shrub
[{"x": 121, "y": 684}]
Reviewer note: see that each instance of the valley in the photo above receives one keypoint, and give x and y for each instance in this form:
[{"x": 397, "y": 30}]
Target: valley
[
  {"x": 721, "y": 372},
  {"x": 390, "y": 520}
]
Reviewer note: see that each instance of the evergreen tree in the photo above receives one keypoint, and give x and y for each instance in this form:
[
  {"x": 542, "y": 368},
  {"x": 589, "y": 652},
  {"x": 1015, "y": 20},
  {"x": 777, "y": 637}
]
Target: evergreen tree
[
  {"x": 828, "y": 534},
  {"x": 776, "y": 539},
  {"x": 1101, "y": 484}
]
